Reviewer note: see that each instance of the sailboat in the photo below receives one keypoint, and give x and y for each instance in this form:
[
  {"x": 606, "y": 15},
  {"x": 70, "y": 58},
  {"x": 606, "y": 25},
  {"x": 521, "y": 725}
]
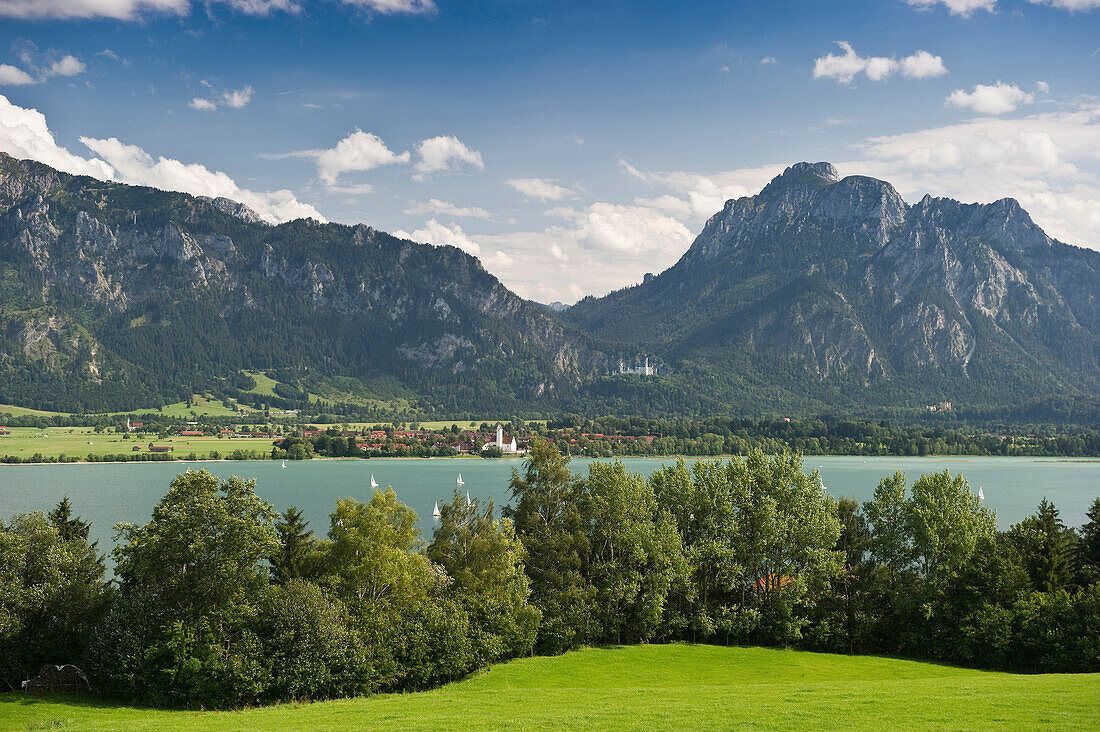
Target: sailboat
[
  {"x": 284, "y": 463},
  {"x": 460, "y": 480},
  {"x": 468, "y": 501},
  {"x": 981, "y": 494},
  {"x": 373, "y": 482},
  {"x": 436, "y": 512}
]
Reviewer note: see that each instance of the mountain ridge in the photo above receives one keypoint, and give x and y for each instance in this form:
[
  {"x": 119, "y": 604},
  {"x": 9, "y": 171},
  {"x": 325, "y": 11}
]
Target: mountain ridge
[
  {"x": 840, "y": 277},
  {"x": 820, "y": 294}
]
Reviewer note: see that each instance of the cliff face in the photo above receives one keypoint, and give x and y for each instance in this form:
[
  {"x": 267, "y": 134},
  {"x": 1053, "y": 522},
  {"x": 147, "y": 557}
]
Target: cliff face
[
  {"x": 843, "y": 283},
  {"x": 111, "y": 283}
]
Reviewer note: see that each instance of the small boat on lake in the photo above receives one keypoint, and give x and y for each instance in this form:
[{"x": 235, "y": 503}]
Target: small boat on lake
[
  {"x": 373, "y": 482},
  {"x": 435, "y": 512}
]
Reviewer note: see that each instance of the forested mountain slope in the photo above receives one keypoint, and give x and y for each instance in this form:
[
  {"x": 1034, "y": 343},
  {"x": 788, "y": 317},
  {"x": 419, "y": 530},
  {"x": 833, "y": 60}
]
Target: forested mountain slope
[
  {"x": 114, "y": 296},
  {"x": 837, "y": 292},
  {"x": 817, "y": 295}
]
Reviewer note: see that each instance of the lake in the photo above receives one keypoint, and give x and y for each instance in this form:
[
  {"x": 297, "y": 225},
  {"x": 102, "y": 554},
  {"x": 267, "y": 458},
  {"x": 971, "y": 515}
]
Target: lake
[{"x": 107, "y": 493}]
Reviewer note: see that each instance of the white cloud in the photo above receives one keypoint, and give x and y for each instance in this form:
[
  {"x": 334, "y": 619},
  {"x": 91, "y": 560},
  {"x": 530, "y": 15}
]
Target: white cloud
[
  {"x": 922, "y": 65},
  {"x": 395, "y": 7},
  {"x": 957, "y": 7},
  {"x": 543, "y": 189},
  {"x": 634, "y": 229},
  {"x": 130, "y": 9},
  {"x": 444, "y": 153},
  {"x": 232, "y": 98},
  {"x": 436, "y": 206},
  {"x": 1070, "y": 5},
  {"x": 594, "y": 249},
  {"x": 67, "y": 66},
  {"x": 669, "y": 204},
  {"x": 769, "y": 60},
  {"x": 436, "y": 233},
  {"x": 25, "y": 134},
  {"x": 263, "y": 7},
  {"x": 706, "y": 193},
  {"x": 357, "y": 152},
  {"x": 238, "y": 98},
  {"x": 844, "y": 68},
  {"x": 133, "y": 165},
  {"x": 12, "y": 76},
  {"x": 990, "y": 99},
  {"x": 1042, "y": 87}
]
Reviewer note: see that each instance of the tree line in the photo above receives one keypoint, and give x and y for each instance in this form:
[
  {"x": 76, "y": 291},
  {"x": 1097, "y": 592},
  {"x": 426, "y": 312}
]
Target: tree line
[{"x": 221, "y": 601}]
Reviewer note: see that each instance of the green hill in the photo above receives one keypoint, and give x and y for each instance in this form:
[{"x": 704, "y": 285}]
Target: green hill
[{"x": 652, "y": 686}]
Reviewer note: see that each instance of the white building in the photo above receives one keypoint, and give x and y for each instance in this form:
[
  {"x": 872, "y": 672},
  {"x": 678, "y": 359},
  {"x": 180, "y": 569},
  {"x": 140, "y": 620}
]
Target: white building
[{"x": 507, "y": 443}]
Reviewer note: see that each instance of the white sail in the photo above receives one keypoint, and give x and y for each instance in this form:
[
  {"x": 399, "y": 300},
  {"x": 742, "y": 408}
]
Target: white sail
[
  {"x": 284, "y": 463},
  {"x": 460, "y": 480},
  {"x": 373, "y": 482},
  {"x": 436, "y": 512},
  {"x": 981, "y": 494},
  {"x": 468, "y": 501}
]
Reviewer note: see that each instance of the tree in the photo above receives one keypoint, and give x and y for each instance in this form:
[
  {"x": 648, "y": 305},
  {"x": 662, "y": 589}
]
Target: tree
[
  {"x": 700, "y": 502},
  {"x": 485, "y": 559},
  {"x": 854, "y": 536},
  {"x": 1090, "y": 545},
  {"x": 635, "y": 553},
  {"x": 787, "y": 531},
  {"x": 69, "y": 527},
  {"x": 296, "y": 547},
  {"x": 946, "y": 522},
  {"x": 1046, "y": 547},
  {"x": 373, "y": 559},
  {"x": 548, "y": 522},
  {"x": 202, "y": 549},
  {"x": 313, "y": 652},
  {"x": 196, "y": 568},
  {"x": 887, "y": 520},
  {"x": 51, "y": 591}
]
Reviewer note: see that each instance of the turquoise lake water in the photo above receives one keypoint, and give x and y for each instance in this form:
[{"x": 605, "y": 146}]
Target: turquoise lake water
[{"x": 108, "y": 493}]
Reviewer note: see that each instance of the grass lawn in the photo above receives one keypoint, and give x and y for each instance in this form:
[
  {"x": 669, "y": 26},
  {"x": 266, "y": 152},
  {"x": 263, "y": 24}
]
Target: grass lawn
[
  {"x": 264, "y": 384},
  {"x": 83, "y": 441},
  {"x": 645, "y": 687},
  {"x": 200, "y": 406},
  {"x": 23, "y": 411}
]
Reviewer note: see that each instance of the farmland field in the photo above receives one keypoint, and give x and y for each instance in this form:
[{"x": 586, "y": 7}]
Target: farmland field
[
  {"x": 80, "y": 442},
  {"x": 656, "y": 686}
]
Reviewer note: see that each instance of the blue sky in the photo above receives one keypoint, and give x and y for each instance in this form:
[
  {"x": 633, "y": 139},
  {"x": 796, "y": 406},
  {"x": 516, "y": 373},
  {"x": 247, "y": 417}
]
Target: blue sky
[{"x": 571, "y": 146}]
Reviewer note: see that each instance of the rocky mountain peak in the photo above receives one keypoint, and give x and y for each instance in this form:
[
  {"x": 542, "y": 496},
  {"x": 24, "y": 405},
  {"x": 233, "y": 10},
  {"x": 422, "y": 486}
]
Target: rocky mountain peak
[
  {"x": 1004, "y": 223},
  {"x": 234, "y": 208},
  {"x": 802, "y": 174}
]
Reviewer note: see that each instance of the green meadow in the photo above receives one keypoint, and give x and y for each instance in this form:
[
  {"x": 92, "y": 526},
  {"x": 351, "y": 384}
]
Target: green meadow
[
  {"x": 675, "y": 686},
  {"x": 81, "y": 442}
]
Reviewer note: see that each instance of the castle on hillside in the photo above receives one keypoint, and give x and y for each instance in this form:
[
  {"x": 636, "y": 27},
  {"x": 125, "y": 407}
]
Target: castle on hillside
[{"x": 643, "y": 370}]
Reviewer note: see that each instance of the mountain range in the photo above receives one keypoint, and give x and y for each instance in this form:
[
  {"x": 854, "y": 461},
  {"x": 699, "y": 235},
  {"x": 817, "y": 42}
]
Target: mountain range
[{"x": 818, "y": 294}]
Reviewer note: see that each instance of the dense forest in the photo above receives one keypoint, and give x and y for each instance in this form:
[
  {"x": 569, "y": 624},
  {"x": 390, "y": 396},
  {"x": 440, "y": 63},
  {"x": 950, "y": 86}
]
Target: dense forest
[{"x": 221, "y": 601}]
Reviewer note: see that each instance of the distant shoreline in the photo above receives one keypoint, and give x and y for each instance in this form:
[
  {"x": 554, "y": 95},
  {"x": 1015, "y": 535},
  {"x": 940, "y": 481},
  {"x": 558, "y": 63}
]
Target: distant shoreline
[{"x": 325, "y": 458}]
